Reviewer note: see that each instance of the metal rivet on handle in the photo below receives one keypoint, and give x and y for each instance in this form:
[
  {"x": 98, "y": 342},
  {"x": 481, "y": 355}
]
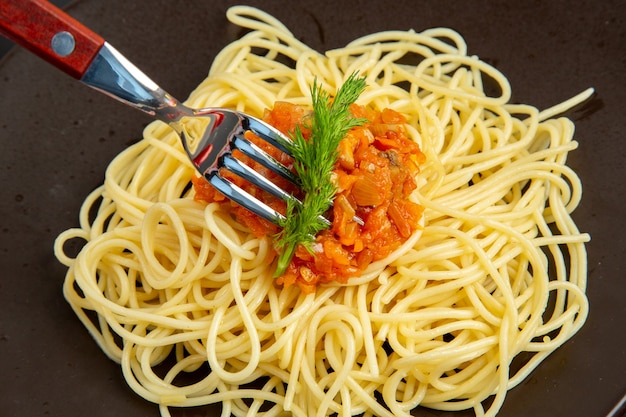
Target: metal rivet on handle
[{"x": 63, "y": 43}]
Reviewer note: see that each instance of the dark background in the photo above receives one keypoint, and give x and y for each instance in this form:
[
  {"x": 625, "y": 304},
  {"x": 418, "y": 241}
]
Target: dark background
[{"x": 57, "y": 136}]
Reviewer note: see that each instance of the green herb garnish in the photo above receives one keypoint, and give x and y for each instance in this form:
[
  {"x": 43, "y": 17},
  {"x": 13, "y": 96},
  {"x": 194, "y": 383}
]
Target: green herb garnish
[{"x": 314, "y": 161}]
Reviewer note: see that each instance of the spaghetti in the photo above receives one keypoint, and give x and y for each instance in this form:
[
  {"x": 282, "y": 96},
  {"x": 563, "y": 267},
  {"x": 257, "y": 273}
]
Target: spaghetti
[{"x": 182, "y": 296}]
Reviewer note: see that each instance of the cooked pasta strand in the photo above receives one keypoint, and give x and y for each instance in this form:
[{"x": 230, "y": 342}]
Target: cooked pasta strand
[{"x": 437, "y": 324}]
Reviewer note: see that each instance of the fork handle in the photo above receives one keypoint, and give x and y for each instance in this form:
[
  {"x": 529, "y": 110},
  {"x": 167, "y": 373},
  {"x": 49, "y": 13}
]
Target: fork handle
[
  {"x": 59, "y": 39},
  {"x": 50, "y": 33}
]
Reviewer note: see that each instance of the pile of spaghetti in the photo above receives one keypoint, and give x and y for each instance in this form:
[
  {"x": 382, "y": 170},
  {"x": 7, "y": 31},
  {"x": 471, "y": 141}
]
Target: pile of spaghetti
[{"x": 182, "y": 295}]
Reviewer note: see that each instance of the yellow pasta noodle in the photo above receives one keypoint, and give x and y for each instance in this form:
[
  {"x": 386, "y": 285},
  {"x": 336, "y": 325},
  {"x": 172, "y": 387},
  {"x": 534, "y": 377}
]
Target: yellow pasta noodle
[{"x": 168, "y": 286}]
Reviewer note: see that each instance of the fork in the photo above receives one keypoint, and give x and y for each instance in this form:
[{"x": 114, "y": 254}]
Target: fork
[{"x": 208, "y": 135}]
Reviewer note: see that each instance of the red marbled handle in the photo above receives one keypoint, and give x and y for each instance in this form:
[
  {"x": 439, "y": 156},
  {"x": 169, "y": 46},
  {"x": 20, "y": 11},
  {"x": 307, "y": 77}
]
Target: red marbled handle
[{"x": 50, "y": 33}]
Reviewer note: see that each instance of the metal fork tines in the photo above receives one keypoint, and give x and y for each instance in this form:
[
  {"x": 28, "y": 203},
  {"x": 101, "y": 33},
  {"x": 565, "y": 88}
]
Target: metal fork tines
[
  {"x": 209, "y": 135},
  {"x": 235, "y": 140},
  {"x": 225, "y": 134},
  {"x": 229, "y": 162}
]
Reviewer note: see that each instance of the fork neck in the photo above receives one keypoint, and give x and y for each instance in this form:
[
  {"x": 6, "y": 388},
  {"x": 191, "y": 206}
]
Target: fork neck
[{"x": 114, "y": 75}]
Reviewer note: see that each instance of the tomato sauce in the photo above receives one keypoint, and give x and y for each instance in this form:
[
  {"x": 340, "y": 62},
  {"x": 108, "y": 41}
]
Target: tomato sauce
[{"x": 375, "y": 174}]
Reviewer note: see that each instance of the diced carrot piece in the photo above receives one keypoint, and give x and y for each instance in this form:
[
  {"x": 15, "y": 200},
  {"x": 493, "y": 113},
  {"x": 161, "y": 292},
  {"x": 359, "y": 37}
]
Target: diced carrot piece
[
  {"x": 286, "y": 116},
  {"x": 364, "y": 258},
  {"x": 204, "y": 191},
  {"x": 386, "y": 142},
  {"x": 345, "y": 156},
  {"x": 391, "y": 116},
  {"x": 366, "y": 191},
  {"x": 400, "y": 218},
  {"x": 335, "y": 251},
  {"x": 343, "y": 181}
]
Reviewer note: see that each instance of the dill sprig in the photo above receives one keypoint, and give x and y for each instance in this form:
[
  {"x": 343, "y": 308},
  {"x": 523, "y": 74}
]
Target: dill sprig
[{"x": 314, "y": 161}]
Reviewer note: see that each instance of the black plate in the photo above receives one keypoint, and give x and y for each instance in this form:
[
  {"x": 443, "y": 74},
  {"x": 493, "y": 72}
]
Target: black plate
[{"x": 57, "y": 137}]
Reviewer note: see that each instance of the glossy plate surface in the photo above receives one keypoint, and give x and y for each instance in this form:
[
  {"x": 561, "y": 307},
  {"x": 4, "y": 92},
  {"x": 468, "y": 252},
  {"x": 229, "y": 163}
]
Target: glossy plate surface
[{"x": 57, "y": 137}]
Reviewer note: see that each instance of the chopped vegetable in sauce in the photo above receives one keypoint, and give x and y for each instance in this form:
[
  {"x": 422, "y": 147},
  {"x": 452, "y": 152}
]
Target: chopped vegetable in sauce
[{"x": 374, "y": 176}]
